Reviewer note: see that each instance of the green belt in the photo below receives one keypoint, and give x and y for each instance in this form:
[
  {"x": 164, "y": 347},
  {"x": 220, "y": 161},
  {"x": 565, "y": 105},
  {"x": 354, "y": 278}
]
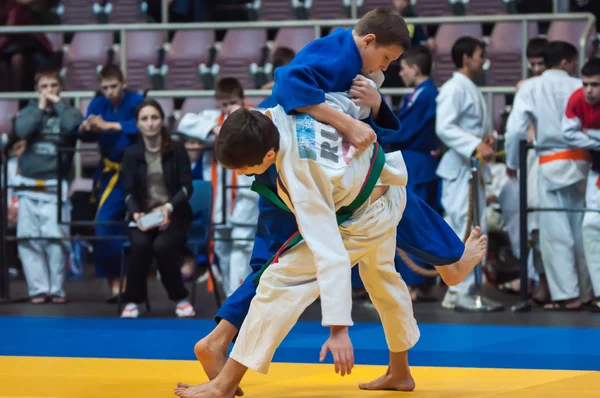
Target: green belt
[{"x": 343, "y": 214}]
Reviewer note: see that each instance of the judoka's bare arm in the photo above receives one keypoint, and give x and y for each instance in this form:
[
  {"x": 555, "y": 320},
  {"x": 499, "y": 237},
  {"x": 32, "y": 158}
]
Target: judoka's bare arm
[{"x": 359, "y": 133}]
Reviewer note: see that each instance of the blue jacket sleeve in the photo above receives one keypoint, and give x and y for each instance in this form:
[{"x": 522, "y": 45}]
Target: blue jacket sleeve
[
  {"x": 413, "y": 122},
  {"x": 303, "y": 85},
  {"x": 93, "y": 109},
  {"x": 129, "y": 126}
]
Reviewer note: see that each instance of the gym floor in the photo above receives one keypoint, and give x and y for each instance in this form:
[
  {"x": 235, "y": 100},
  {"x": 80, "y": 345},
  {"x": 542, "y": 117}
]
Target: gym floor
[{"x": 82, "y": 349}]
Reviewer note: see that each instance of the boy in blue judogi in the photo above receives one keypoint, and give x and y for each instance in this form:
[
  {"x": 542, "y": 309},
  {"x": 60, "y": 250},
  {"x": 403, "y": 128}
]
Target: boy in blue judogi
[
  {"x": 419, "y": 145},
  {"x": 111, "y": 122}
]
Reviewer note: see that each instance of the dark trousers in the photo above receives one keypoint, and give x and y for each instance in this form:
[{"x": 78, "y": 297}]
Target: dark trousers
[{"x": 168, "y": 248}]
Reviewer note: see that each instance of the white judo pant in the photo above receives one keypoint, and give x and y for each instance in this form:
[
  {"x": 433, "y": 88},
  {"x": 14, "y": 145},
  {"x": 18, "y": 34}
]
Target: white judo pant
[
  {"x": 289, "y": 286},
  {"x": 591, "y": 231},
  {"x": 234, "y": 242},
  {"x": 455, "y": 201},
  {"x": 44, "y": 261},
  {"x": 244, "y": 220},
  {"x": 561, "y": 241}
]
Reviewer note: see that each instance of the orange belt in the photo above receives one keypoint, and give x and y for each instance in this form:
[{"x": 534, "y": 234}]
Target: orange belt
[{"x": 568, "y": 154}]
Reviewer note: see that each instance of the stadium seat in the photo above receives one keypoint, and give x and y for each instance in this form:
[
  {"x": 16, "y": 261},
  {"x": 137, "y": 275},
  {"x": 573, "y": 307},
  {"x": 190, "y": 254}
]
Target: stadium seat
[
  {"x": 327, "y": 9},
  {"x": 188, "y": 50},
  {"x": 486, "y": 7},
  {"x": 571, "y": 31},
  {"x": 275, "y": 10},
  {"x": 432, "y": 8},
  {"x": 504, "y": 51},
  {"x": 78, "y": 12},
  {"x": 126, "y": 11},
  {"x": 141, "y": 51},
  {"x": 241, "y": 48},
  {"x": 87, "y": 52},
  {"x": 294, "y": 38}
]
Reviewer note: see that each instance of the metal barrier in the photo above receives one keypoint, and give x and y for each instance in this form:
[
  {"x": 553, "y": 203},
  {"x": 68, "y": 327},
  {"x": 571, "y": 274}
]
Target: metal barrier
[
  {"x": 524, "y": 305},
  {"x": 316, "y": 25}
]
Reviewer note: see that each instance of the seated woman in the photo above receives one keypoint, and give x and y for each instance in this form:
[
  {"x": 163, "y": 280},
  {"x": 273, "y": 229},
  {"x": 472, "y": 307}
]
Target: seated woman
[{"x": 157, "y": 178}]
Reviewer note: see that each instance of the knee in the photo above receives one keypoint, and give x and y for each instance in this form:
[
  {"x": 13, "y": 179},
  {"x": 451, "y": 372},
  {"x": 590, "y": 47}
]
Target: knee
[{"x": 161, "y": 247}]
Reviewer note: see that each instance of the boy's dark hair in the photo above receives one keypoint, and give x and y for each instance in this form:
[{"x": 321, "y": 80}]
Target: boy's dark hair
[
  {"x": 421, "y": 57},
  {"x": 245, "y": 138},
  {"x": 465, "y": 46},
  {"x": 228, "y": 87},
  {"x": 282, "y": 56},
  {"x": 591, "y": 68},
  {"x": 387, "y": 25},
  {"x": 558, "y": 50},
  {"x": 111, "y": 72},
  {"x": 536, "y": 47}
]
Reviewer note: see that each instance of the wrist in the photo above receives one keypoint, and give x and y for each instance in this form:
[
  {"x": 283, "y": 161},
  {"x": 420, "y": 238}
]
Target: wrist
[
  {"x": 335, "y": 330},
  {"x": 169, "y": 207}
]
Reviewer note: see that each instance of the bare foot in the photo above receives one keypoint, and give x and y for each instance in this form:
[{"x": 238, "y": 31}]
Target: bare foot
[
  {"x": 475, "y": 248},
  {"x": 212, "y": 359},
  {"x": 205, "y": 390},
  {"x": 390, "y": 382}
]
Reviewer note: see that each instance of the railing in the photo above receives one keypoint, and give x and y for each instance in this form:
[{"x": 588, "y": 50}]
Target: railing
[{"x": 316, "y": 25}]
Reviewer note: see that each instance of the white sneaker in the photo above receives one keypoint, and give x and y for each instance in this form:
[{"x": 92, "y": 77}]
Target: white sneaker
[
  {"x": 450, "y": 299},
  {"x": 184, "y": 309},
  {"x": 130, "y": 311}
]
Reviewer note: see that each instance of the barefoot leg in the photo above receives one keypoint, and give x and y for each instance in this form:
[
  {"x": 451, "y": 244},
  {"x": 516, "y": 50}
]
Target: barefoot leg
[
  {"x": 224, "y": 386},
  {"x": 211, "y": 351},
  {"x": 475, "y": 249},
  {"x": 397, "y": 377}
]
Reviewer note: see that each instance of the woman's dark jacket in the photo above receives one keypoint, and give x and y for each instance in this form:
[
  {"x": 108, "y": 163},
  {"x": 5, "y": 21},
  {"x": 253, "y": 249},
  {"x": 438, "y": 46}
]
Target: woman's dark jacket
[{"x": 176, "y": 172}]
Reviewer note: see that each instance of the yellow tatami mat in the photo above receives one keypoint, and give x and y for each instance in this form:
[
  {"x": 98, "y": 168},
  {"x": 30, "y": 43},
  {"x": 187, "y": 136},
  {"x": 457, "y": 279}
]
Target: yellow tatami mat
[{"x": 91, "y": 378}]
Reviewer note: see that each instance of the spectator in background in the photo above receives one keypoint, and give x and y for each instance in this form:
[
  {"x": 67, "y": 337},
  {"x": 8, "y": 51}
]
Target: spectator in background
[
  {"x": 510, "y": 195},
  {"x": 581, "y": 129},
  {"x": 19, "y": 52},
  {"x": 13, "y": 150},
  {"x": 195, "y": 150},
  {"x": 419, "y": 145},
  {"x": 45, "y": 123},
  {"x": 281, "y": 57},
  {"x": 562, "y": 174},
  {"x": 464, "y": 125},
  {"x": 111, "y": 122},
  {"x": 157, "y": 178},
  {"x": 241, "y": 209}
]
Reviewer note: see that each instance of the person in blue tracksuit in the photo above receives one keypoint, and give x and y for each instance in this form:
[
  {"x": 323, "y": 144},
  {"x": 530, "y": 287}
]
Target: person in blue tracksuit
[
  {"x": 331, "y": 64},
  {"x": 111, "y": 122},
  {"x": 420, "y": 147}
]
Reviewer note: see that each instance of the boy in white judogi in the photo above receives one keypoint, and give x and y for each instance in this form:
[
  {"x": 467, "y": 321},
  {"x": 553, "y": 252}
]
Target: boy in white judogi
[
  {"x": 464, "y": 126},
  {"x": 234, "y": 240},
  {"x": 320, "y": 176},
  {"x": 581, "y": 129},
  {"x": 562, "y": 173}
]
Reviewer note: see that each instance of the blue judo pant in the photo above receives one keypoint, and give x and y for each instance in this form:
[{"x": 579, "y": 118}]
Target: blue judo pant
[
  {"x": 422, "y": 233},
  {"x": 109, "y": 251}
]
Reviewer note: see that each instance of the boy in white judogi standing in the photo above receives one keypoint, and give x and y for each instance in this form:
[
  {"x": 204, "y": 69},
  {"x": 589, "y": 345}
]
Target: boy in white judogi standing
[
  {"x": 581, "y": 129},
  {"x": 321, "y": 180},
  {"x": 562, "y": 173},
  {"x": 234, "y": 240},
  {"x": 464, "y": 127}
]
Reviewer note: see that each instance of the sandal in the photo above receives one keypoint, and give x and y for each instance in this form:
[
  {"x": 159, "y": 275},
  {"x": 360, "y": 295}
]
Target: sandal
[
  {"x": 56, "y": 299},
  {"x": 562, "y": 307},
  {"x": 41, "y": 298}
]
